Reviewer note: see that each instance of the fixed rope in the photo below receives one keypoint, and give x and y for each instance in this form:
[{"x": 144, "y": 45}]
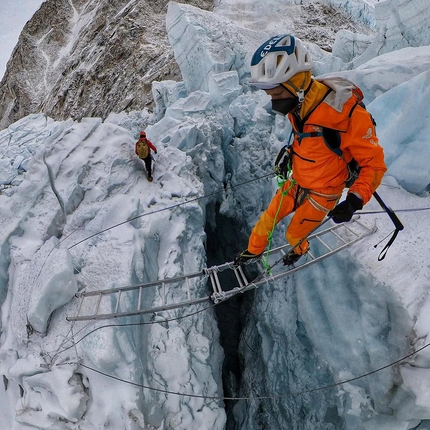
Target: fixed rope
[
  {"x": 281, "y": 180},
  {"x": 231, "y": 187},
  {"x": 267, "y": 397},
  {"x": 163, "y": 209}
]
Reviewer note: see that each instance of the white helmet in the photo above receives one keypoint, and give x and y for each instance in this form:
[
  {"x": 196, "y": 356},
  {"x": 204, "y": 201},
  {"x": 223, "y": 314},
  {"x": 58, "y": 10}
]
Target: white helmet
[{"x": 278, "y": 60}]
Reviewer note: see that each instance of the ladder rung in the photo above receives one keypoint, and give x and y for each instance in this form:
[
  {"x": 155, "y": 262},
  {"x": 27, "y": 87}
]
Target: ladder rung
[
  {"x": 243, "y": 277},
  {"x": 325, "y": 244},
  {"x": 352, "y": 231},
  {"x": 117, "y": 301},
  {"x": 98, "y": 304},
  {"x": 139, "y": 300},
  {"x": 187, "y": 281},
  {"x": 339, "y": 237},
  {"x": 237, "y": 274},
  {"x": 213, "y": 282},
  {"x": 217, "y": 282},
  {"x": 80, "y": 305}
]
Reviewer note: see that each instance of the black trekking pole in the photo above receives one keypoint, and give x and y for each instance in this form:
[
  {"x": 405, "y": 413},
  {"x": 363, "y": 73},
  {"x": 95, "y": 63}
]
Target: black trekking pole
[{"x": 397, "y": 224}]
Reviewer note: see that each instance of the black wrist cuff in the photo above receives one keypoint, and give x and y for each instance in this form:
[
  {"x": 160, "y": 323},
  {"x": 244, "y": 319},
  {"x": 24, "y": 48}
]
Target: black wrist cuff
[{"x": 355, "y": 201}]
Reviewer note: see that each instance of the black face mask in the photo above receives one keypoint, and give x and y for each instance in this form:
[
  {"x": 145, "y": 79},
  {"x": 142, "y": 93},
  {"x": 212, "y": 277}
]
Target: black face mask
[{"x": 284, "y": 106}]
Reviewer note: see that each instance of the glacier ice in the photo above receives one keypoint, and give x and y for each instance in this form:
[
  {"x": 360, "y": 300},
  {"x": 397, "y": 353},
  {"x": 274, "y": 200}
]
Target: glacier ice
[
  {"x": 301, "y": 336},
  {"x": 84, "y": 178}
]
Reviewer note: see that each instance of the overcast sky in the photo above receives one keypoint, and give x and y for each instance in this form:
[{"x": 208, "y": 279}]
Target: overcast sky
[{"x": 13, "y": 16}]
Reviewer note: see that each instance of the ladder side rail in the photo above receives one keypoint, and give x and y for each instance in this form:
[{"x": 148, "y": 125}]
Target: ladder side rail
[
  {"x": 147, "y": 285},
  {"x": 141, "y": 312},
  {"x": 312, "y": 236},
  {"x": 253, "y": 285},
  {"x": 308, "y": 263},
  {"x": 281, "y": 249},
  {"x": 219, "y": 268},
  {"x": 276, "y": 276}
]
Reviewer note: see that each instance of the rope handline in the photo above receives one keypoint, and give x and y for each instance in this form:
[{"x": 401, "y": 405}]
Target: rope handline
[
  {"x": 273, "y": 397},
  {"x": 397, "y": 210},
  {"x": 167, "y": 208},
  {"x": 281, "y": 180},
  {"x": 131, "y": 325},
  {"x": 200, "y": 198}
]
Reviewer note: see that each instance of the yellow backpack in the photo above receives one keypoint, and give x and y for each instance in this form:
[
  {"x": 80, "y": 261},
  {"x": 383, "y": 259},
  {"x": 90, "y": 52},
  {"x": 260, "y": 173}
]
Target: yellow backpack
[{"x": 142, "y": 149}]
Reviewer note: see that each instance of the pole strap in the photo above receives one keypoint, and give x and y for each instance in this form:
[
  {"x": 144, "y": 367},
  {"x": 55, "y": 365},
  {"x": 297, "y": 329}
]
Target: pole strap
[{"x": 397, "y": 224}]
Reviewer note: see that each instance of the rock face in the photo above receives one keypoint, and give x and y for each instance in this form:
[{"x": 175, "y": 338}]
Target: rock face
[{"x": 88, "y": 58}]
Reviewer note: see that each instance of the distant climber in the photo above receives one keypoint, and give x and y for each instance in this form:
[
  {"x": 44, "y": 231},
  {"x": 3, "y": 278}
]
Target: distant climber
[
  {"x": 143, "y": 151},
  {"x": 314, "y": 166}
]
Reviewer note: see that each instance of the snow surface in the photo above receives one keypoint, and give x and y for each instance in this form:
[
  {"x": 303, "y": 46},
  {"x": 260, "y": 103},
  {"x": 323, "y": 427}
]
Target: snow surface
[{"x": 68, "y": 189}]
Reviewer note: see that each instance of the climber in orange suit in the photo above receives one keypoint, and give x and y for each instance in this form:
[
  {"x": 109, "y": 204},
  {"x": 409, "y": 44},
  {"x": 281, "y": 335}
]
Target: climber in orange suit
[{"x": 317, "y": 172}]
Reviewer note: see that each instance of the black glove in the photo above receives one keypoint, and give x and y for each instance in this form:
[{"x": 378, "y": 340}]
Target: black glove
[
  {"x": 344, "y": 211},
  {"x": 155, "y": 151}
]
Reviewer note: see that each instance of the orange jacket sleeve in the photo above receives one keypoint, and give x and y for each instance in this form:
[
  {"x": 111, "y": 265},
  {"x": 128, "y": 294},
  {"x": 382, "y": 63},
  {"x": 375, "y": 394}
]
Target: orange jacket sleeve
[{"x": 360, "y": 142}]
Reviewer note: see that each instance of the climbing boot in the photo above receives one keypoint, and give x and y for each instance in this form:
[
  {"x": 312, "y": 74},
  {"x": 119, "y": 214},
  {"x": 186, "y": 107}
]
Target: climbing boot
[
  {"x": 291, "y": 257},
  {"x": 245, "y": 257}
]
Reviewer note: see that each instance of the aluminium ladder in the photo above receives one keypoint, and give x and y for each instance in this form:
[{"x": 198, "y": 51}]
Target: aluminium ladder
[{"x": 191, "y": 289}]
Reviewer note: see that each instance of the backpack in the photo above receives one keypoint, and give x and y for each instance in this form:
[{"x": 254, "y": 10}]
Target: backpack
[
  {"x": 332, "y": 140},
  {"x": 142, "y": 149}
]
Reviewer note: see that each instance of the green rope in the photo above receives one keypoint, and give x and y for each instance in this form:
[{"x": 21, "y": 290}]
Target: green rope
[{"x": 280, "y": 181}]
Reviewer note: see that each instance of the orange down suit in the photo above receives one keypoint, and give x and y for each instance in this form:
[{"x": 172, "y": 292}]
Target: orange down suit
[{"x": 319, "y": 174}]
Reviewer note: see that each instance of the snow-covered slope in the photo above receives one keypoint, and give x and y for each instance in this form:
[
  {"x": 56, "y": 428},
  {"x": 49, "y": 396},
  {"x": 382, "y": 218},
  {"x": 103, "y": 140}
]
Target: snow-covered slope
[
  {"x": 83, "y": 178},
  {"x": 68, "y": 189}
]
